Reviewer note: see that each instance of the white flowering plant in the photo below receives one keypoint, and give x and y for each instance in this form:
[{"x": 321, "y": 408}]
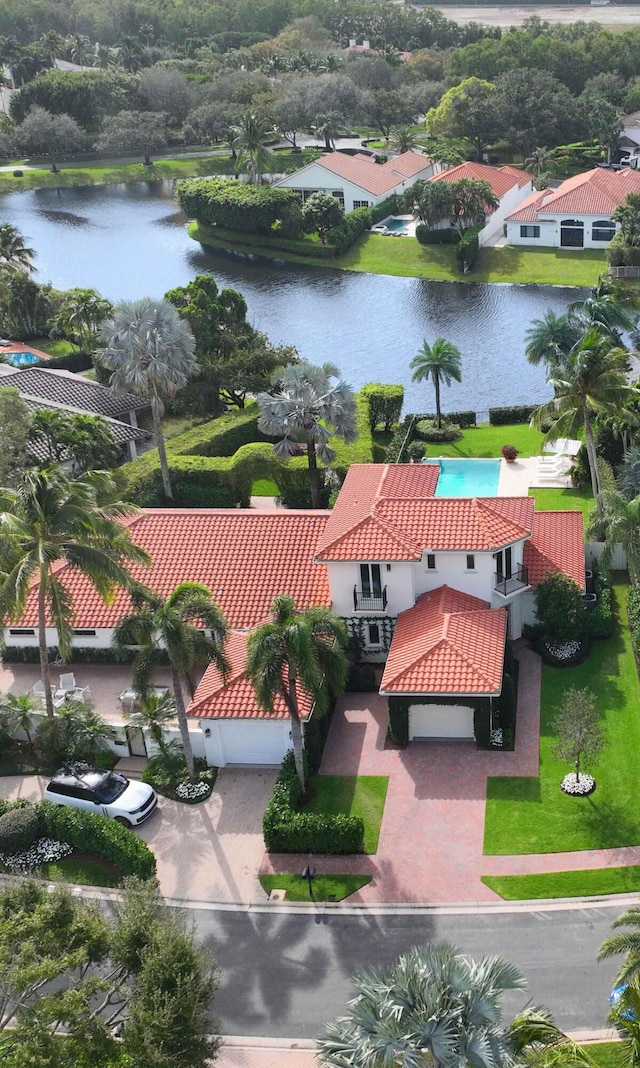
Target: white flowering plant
[
  {"x": 189, "y": 791},
  {"x": 578, "y": 787},
  {"x": 44, "y": 851},
  {"x": 563, "y": 651}
]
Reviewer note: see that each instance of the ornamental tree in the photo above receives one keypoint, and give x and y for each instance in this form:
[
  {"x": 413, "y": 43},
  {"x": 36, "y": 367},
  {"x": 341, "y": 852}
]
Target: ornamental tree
[
  {"x": 577, "y": 729},
  {"x": 321, "y": 213},
  {"x": 559, "y": 608}
]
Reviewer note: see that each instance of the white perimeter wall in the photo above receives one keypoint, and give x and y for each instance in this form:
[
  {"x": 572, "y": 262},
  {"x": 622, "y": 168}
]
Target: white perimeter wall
[{"x": 508, "y": 204}]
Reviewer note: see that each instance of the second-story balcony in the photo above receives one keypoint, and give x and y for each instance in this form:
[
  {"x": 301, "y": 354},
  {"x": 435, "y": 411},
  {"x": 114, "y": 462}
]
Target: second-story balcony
[
  {"x": 369, "y": 600},
  {"x": 517, "y": 580}
]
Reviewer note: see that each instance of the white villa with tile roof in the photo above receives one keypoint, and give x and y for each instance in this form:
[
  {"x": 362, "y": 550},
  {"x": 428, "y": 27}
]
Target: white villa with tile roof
[
  {"x": 433, "y": 585},
  {"x": 357, "y": 181},
  {"x": 511, "y": 186}
]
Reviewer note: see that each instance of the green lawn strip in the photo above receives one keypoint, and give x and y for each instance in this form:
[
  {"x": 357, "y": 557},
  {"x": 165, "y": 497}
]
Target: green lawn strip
[
  {"x": 262, "y": 487},
  {"x": 592, "y": 882},
  {"x": 324, "y": 886},
  {"x": 608, "y": 1054},
  {"x": 486, "y": 441},
  {"x": 532, "y": 815},
  {"x": 54, "y": 348},
  {"x": 355, "y": 795},
  {"x": 562, "y": 500},
  {"x": 78, "y": 868}
]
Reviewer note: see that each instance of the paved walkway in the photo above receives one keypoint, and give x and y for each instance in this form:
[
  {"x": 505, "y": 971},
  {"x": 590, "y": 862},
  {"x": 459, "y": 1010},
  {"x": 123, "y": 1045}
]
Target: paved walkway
[{"x": 266, "y": 1053}]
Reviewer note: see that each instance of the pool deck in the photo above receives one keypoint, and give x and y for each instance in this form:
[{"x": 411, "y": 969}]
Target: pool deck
[
  {"x": 16, "y": 347},
  {"x": 518, "y": 477}
]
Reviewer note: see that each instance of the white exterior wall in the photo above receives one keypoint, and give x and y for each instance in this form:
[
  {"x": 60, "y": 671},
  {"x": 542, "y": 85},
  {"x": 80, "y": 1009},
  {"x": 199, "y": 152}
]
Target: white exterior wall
[
  {"x": 451, "y": 570},
  {"x": 314, "y": 177},
  {"x": 101, "y": 639},
  {"x": 344, "y": 575},
  {"x": 259, "y": 741},
  {"x": 550, "y": 232},
  {"x": 508, "y": 204}
]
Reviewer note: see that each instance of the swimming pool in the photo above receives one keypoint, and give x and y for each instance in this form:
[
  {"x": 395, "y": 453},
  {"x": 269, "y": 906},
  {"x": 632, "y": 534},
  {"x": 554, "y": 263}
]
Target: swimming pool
[
  {"x": 468, "y": 478},
  {"x": 22, "y": 359}
]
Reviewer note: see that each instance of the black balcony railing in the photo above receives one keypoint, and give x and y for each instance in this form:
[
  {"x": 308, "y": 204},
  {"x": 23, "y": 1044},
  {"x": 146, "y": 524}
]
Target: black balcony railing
[
  {"x": 368, "y": 602},
  {"x": 516, "y": 581}
]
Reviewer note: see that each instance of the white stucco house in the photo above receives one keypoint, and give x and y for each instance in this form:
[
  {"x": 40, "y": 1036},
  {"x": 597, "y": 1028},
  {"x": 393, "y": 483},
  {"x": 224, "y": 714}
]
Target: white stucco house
[
  {"x": 432, "y": 587},
  {"x": 509, "y": 184},
  {"x": 358, "y": 181},
  {"x": 577, "y": 214},
  {"x": 629, "y": 140}
]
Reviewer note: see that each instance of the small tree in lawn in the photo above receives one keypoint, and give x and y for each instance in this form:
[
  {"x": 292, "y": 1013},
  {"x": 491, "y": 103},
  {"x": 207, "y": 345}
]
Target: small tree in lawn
[
  {"x": 321, "y": 213},
  {"x": 559, "y": 608},
  {"x": 579, "y": 736}
]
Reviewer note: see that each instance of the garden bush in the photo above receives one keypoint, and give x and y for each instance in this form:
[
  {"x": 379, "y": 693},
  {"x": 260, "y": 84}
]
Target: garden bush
[
  {"x": 287, "y": 830},
  {"x": 385, "y": 403},
  {"x": 443, "y": 236},
  {"x": 559, "y": 608},
  {"x": 511, "y": 414},
  {"x": 633, "y": 609},
  {"x": 274, "y": 241},
  {"x": 600, "y": 623},
  {"x": 416, "y": 451},
  {"x": 384, "y": 208},
  {"x": 427, "y": 430},
  {"x": 71, "y": 361},
  {"x": 400, "y": 440},
  {"x": 251, "y": 209},
  {"x": 467, "y": 249},
  {"x": 398, "y": 720},
  {"x": 19, "y": 829},
  {"x": 463, "y": 419},
  {"x": 353, "y": 225},
  {"x": 98, "y": 835}
]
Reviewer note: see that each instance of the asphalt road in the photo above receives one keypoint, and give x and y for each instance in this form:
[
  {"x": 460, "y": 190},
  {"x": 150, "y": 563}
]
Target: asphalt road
[{"x": 286, "y": 975}]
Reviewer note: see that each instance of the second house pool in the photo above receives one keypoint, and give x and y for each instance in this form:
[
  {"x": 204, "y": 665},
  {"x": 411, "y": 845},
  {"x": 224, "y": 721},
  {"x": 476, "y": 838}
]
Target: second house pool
[{"x": 467, "y": 478}]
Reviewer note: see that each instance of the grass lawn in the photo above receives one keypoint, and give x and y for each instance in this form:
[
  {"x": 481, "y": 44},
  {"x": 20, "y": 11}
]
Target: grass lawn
[
  {"x": 83, "y": 869},
  {"x": 590, "y": 883},
  {"x": 263, "y": 487},
  {"x": 54, "y": 348},
  {"x": 485, "y": 440},
  {"x": 377, "y": 254},
  {"x": 355, "y": 795},
  {"x": 562, "y": 500},
  {"x": 324, "y": 886},
  {"x": 527, "y": 815},
  {"x": 608, "y": 1054},
  {"x": 172, "y": 425}
]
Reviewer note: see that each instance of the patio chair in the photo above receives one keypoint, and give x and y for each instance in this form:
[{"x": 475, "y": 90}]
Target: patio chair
[
  {"x": 67, "y": 682},
  {"x": 79, "y": 693}
]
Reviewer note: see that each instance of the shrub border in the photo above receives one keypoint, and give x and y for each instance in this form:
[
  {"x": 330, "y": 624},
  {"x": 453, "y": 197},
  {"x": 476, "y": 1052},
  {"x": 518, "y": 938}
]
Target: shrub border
[{"x": 287, "y": 830}]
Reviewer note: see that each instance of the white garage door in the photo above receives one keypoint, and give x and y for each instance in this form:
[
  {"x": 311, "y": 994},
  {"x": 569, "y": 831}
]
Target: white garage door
[
  {"x": 254, "y": 741},
  {"x": 440, "y": 721}
]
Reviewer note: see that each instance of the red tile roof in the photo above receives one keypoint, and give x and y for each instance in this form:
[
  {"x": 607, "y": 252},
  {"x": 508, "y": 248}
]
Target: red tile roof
[
  {"x": 501, "y": 179},
  {"x": 557, "y": 544},
  {"x": 388, "y": 512},
  {"x": 234, "y": 698},
  {"x": 449, "y": 642},
  {"x": 528, "y": 210},
  {"x": 375, "y": 178},
  {"x": 245, "y": 558},
  {"x": 597, "y": 192}
]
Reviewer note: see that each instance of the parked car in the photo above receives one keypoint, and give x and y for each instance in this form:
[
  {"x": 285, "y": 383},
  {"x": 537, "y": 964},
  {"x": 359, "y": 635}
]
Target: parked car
[{"x": 103, "y": 792}]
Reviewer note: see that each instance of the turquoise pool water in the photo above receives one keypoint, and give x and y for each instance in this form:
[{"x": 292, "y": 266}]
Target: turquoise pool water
[
  {"x": 22, "y": 359},
  {"x": 468, "y": 478},
  {"x": 396, "y": 225}
]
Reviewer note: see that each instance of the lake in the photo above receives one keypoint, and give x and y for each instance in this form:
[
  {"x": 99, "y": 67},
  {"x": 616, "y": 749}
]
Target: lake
[{"x": 129, "y": 241}]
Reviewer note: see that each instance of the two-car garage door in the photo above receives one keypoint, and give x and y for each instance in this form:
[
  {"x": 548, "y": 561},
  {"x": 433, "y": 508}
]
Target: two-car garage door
[{"x": 440, "y": 721}]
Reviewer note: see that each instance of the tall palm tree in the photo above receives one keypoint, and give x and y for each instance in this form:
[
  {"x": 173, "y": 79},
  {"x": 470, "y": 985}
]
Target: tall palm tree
[
  {"x": 328, "y": 127},
  {"x": 152, "y": 713},
  {"x": 628, "y": 476},
  {"x": 79, "y": 318},
  {"x": 48, "y": 519},
  {"x": 403, "y": 139},
  {"x": 297, "y": 650},
  {"x": 438, "y": 1007},
  {"x": 618, "y": 523},
  {"x": 625, "y": 1017},
  {"x": 18, "y": 710},
  {"x": 150, "y": 350},
  {"x": 309, "y": 409},
  {"x": 628, "y": 942},
  {"x": 592, "y": 380},
  {"x": 540, "y": 160},
  {"x": 441, "y": 363},
  {"x": 250, "y": 136},
  {"x": 174, "y": 626},
  {"x": 13, "y": 251},
  {"x": 548, "y": 340}
]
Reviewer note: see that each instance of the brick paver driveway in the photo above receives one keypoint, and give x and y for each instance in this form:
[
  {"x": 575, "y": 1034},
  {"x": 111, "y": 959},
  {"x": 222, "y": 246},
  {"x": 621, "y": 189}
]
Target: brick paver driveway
[{"x": 430, "y": 847}]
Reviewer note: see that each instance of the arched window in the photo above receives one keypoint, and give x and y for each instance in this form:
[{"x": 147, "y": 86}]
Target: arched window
[
  {"x": 572, "y": 233},
  {"x": 603, "y": 230}
]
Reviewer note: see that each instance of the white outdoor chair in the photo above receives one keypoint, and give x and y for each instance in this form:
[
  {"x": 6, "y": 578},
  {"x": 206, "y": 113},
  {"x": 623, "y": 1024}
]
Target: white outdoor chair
[
  {"x": 79, "y": 693},
  {"x": 67, "y": 682},
  {"x": 39, "y": 691}
]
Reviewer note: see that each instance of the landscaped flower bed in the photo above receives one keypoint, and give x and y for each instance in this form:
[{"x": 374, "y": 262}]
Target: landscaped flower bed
[
  {"x": 581, "y": 787},
  {"x": 43, "y": 851},
  {"x": 192, "y": 791}
]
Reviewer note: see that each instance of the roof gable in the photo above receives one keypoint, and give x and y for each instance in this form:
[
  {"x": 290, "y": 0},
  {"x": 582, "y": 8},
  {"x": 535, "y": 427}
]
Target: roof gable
[
  {"x": 594, "y": 192},
  {"x": 73, "y": 391},
  {"x": 557, "y": 544},
  {"x": 501, "y": 179},
  {"x": 375, "y": 178}
]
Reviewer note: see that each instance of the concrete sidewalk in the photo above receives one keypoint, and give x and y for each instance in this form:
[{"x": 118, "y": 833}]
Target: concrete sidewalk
[{"x": 267, "y": 1053}]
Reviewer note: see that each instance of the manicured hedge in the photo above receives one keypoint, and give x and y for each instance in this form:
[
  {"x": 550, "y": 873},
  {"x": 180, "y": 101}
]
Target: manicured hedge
[
  {"x": 445, "y": 236},
  {"x": 249, "y": 209},
  {"x": 400, "y": 439},
  {"x": 71, "y": 361},
  {"x": 383, "y": 209},
  {"x": 633, "y": 609},
  {"x": 29, "y": 654},
  {"x": 385, "y": 403},
  {"x": 286, "y": 830},
  {"x": 463, "y": 419},
  {"x": 467, "y": 249},
  {"x": 353, "y": 225},
  {"x": 511, "y": 414},
  {"x": 601, "y": 622},
  {"x": 399, "y": 720},
  {"x": 274, "y": 241}
]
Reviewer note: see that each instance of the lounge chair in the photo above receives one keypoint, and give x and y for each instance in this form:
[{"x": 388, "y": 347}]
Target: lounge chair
[{"x": 67, "y": 682}]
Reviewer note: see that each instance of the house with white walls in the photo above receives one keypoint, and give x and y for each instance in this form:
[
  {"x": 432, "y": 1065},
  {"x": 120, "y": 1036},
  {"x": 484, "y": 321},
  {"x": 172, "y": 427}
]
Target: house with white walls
[
  {"x": 431, "y": 587},
  {"x": 357, "y": 181},
  {"x": 576, "y": 214},
  {"x": 510, "y": 185}
]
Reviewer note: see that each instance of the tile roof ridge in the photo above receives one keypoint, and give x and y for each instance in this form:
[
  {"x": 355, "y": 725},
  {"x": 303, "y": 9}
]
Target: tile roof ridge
[
  {"x": 478, "y": 668},
  {"x": 382, "y": 521}
]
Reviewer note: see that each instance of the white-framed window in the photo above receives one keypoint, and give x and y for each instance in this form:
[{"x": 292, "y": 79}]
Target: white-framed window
[
  {"x": 471, "y": 562},
  {"x": 603, "y": 230},
  {"x": 360, "y": 204},
  {"x": 374, "y": 636},
  {"x": 529, "y": 231},
  {"x": 431, "y": 562},
  {"x": 22, "y": 632},
  {"x": 339, "y": 195},
  {"x": 371, "y": 580}
]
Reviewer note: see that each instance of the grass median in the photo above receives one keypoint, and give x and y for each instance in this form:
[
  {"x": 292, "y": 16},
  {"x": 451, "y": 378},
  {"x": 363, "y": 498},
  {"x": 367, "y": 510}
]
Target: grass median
[{"x": 325, "y": 887}]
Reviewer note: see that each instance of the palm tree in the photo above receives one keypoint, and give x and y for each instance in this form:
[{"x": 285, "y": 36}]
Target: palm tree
[
  {"x": 151, "y": 351},
  {"x": 437, "y": 1007},
  {"x": 540, "y": 160},
  {"x": 629, "y": 473},
  {"x": 328, "y": 127},
  {"x": 309, "y": 409},
  {"x": 403, "y": 139},
  {"x": 174, "y": 627},
  {"x": 250, "y": 135},
  {"x": 628, "y": 943},
  {"x": 80, "y": 316},
  {"x": 625, "y": 1017},
  {"x": 87, "y": 733},
  {"x": 13, "y": 251},
  {"x": 440, "y": 362},
  {"x": 152, "y": 713},
  {"x": 18, "y": 710},
  {"x": 48, "y": 519},
  {"x": 297, "y": 650},
  {"x": 592, "y": 380},
  {"x": 548, "y": 340},
  {"x": 618, "y": 523}
]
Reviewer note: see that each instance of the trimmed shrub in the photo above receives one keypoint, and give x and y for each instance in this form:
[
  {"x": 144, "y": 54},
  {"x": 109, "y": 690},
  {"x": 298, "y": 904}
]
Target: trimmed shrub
[
  {"x": 316, "y": 732},
  {"x": 402, "y": 437},
  {"x": 286, "y": 830},
  {"x": 444, "y": 236},
  {"x": 621, "y": 254},
  {"x": 633, "y": 610},
  {"x": 559, "y": 608},
  {"x": 385, "y": 403},
  {"x": 467, "y": 249},
  {"x": 99, "y": 835},
  {"x": 427, "y": 430},
  {"x": 18, "y": 830},
  {"x": 463, "y": 419},
  {"x": 507, "y": 704},
  {"x": 601, "y": 622},
  {"x": 250, "y": 209},
  {"x": 511, "y": 414},
  {"x": 353, "y": 225},
  {"x": 386, "y": 207},
  {"x": 416, "y": 451},
  {"x": 482, "y": 727},
  {"x": 72, "y": 361},
  {"x": 275, "y": 241},
  {"x": 398, "y": 720}
]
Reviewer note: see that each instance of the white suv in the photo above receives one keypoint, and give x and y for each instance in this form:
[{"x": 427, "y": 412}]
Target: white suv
[{"x": 102, "y": 792}]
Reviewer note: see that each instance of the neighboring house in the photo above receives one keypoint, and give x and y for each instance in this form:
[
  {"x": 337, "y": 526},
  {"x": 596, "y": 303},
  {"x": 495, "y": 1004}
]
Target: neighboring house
[
  {"x": 74, "y": 391},
  {"x": 430, "y": 586},
  {"x": 357, "y": 181},
  {"x": 509, "y": 184},
  {"x": 577, "y": 214},
  {"x": 365, "y": 48},
  {"x": 629, "y": 141}
]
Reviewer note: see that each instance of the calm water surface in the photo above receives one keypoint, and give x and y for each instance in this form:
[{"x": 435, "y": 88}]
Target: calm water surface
[{"x": 129, "y": 241}]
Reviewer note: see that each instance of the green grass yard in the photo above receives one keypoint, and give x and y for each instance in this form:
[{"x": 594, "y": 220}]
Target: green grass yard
[
  {"x": 83, "y": 869},
  {"x": 608, "y": 1054},
  {"x": 336, "y": 887},
  {"x": 592, "y": 882},
  {"x": 361, "y": 795},
  {"x": 263, "y": 487},
  {"x": 562, "y": 500},
  {"x": 486, "y": 441},
  {"x": 532, "y": 815}
]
